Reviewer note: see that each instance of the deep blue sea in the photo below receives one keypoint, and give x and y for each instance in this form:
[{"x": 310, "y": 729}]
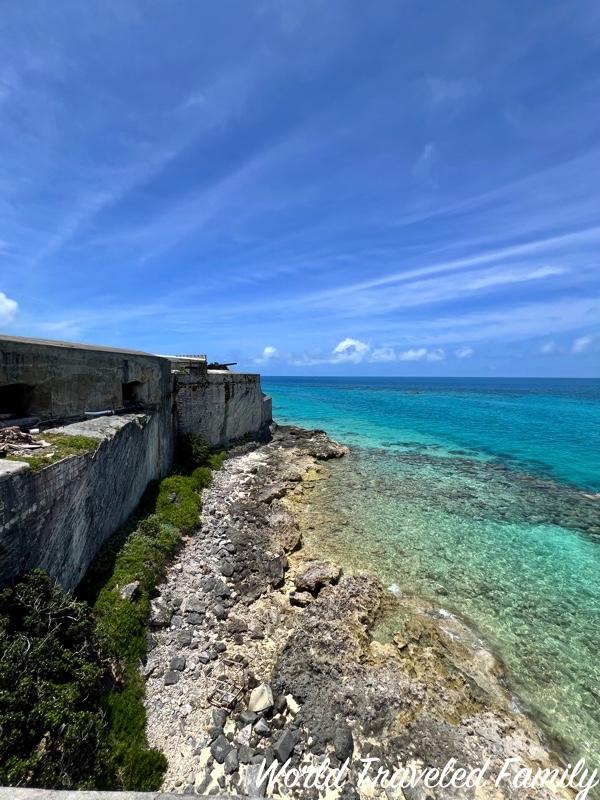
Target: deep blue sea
[{"x": 479, "y": 495}]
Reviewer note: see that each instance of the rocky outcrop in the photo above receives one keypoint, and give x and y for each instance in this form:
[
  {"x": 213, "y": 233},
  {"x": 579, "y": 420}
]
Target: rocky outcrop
[{"x": 266, "y": 678}]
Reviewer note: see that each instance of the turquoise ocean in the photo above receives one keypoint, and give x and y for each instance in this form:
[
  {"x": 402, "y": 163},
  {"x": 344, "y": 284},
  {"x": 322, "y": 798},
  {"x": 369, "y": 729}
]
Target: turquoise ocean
[{"x": 478, "y": 494}]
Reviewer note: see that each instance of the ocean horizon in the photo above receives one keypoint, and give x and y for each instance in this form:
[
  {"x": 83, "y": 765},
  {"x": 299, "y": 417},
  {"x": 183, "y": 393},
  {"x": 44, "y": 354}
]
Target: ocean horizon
[{"x": 481, "y": 495}]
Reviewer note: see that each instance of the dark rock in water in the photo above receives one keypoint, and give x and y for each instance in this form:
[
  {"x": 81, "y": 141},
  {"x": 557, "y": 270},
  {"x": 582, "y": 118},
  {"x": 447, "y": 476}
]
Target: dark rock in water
[
  {"x": 231, "y": 762},
  {"x": 285, "y": 744},
  {"x": 220, "y": 749},
  {"x": 171, "y": 678},
  {"x": 177, "y": 663},
  {"x": 219, "y": 716},
  {"x": 343, "y": 741},
  {"x": 317, "y": 574}
]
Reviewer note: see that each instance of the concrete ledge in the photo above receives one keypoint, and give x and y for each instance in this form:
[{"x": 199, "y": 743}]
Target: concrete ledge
[{"x": 9, "y": 793}]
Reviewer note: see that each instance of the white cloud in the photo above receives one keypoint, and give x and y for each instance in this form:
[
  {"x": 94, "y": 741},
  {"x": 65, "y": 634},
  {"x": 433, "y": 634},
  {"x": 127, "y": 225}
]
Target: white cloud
[
  {"x": 464, "y": 352},
  {"x": 8, "y": 309},
  {"x": 350, "y": 350},
  {"x": 581, "y": 344},
  {"x": 268, "y": 353},
  {"x": 548, "y": 348},
  {"x": 436, "y": 355},
  {"x": 422, "y": 354},
  {"x": 413, "y": 355},
  {"x": 382, "y": 355}
]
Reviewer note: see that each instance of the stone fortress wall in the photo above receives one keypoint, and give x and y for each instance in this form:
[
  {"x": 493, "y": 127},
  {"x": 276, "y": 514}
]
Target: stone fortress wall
[{"x": 134, "y": 404}]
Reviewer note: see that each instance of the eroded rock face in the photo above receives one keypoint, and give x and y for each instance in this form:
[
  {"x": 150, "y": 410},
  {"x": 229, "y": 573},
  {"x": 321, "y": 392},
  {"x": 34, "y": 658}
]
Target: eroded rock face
[
  {"x": 316, "y": 574},
  {"x": 293, "y": 651}
]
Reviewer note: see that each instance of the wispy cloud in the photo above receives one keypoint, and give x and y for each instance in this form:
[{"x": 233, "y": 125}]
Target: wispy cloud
[
  {"x": 582, "y": 344},
  {"x": 464, "y": 352},
  {"x": 422, "y": 354},
  {"x": 424, "y": 163}
]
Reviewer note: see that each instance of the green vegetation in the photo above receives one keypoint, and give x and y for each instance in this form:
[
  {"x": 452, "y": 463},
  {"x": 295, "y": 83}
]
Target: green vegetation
[
  {"x": 192, "y": 451},
  {"x": 71, "y": 698},
  {"x": 52, "y": 727},
  {"x": 201, "y": 478},
  {"x": 178, "y": 503},
  {"x": 61, "y": 446}
]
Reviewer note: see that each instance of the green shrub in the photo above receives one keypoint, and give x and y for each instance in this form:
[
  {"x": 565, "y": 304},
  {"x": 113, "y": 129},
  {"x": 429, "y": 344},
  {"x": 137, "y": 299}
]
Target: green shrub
[
  {"x": 201, "y": 478},
  {"x": 178, "y": 503},
  {"x": 216, "y": 460},
  {"x": 143, "y": 557},
  {"x": 136, "y": 767},
  {"x": 52, "y": 726},
  {"x": 192, "y": 451}
]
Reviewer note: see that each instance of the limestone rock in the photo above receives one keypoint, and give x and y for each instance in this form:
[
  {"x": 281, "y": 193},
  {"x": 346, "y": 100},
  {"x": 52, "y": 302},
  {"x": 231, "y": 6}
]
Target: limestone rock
[
  {"x": 301, "y": 599},
  {"x": 160, "y": 613},
  {"x": 317, "y": 574},
  {"x": 261, "y": 698},
  {"x": 130, "y": 590}
]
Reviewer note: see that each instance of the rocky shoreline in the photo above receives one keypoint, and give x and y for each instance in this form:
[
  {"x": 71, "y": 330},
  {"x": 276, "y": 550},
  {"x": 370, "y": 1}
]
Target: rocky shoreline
[{"x": 260, "y": 651}]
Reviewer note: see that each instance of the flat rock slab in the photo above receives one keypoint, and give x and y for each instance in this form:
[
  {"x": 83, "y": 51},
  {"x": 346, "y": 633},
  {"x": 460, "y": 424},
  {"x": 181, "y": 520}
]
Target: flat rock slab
[{"x": 317, "y": 574}]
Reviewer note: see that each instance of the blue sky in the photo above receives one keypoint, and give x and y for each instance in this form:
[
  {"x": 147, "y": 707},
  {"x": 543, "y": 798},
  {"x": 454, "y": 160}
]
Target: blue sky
[{"x": 306, "y": 186}]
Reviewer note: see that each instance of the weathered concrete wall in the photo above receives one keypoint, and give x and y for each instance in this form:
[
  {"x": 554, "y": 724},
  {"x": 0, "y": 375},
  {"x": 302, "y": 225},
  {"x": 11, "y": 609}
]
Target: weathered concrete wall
[
  {"x": 59, "y": 517},
  {"x": 61, "y": 380},
  {"x": 222, "y": 406}
]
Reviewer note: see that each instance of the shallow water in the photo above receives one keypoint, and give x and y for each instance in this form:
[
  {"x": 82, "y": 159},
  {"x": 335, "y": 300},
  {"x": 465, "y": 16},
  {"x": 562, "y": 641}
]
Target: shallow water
[{"x": 473, "y": 493}]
